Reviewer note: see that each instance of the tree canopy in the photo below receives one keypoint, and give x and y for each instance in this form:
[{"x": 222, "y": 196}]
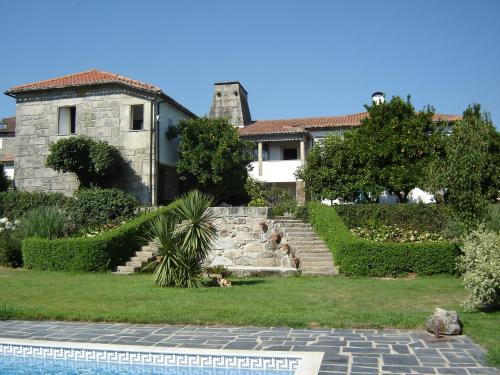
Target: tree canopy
[
  {"x": 389, "y": 151},
  {"x": 95, "y": 163},
  {"x": 213, "y": 158}
]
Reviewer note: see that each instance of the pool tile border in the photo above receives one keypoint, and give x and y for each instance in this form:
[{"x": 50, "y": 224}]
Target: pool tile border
[{"x": 302, "y": 363}]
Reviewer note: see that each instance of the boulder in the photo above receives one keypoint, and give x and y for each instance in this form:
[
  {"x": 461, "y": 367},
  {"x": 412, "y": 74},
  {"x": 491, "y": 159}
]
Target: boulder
[{"x": 447, "y": 321}]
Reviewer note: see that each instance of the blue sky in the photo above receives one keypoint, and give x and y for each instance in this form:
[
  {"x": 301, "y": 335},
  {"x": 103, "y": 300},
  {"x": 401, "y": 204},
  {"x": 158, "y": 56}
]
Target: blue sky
[{"x": 295, "y": 58}]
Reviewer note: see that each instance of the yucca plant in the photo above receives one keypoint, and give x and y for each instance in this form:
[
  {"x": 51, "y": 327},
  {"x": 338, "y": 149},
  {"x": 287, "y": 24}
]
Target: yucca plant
[{"x": 183, "y": 236}]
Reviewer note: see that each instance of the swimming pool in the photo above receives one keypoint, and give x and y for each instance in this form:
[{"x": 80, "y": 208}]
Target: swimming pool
[{"x": 23, "y": 357}]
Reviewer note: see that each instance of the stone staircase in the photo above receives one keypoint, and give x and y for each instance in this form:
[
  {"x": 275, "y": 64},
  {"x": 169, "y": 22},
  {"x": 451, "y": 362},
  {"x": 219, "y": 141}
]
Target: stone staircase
[
  {"x": 136, "y": 262},
  {"x": 315, "y": 257}
]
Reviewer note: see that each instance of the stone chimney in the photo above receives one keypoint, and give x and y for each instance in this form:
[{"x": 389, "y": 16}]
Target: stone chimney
[{"x": 230, "y": 101}]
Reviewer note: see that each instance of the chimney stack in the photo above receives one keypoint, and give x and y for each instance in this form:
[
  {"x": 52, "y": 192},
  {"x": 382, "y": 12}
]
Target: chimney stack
[
  {"x": 230, "y": 101},
  {"x": 378, "y": 98}
]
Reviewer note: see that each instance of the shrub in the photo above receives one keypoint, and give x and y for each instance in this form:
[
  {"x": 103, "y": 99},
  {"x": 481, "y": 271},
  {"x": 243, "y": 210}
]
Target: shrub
[
  {"x": 480, "y": 266},
  {"x": 95, "y": 163},
  {"x": 183, "y": 237},
  {"x": 10, "y": 244},
  {"x": 391, "y": 233},
  {"x": 43, "y": 222},
  {"x": 92, "y": 208},
  {"x": 15, "y": 204},
  {"x": 4, "y": 182},
  {"x": 256, "y": 191},
  {"x": 492, "y": 221},
  {"x": 431, "y": 218},
  {"x": 99, "y": 253},
  {"x": 358, "y": 257}
]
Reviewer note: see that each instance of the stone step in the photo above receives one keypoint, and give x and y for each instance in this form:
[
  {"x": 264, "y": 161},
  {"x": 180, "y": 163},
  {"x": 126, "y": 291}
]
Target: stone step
[
  {"x": 305, "y": 268},
  {"x": 143, "y": 254},
  {"x": 302, "y": 242},
  {"x": 321, "y": 273},
  {"x": 301, "y": 234},
  {"x": 129, "y": 269},
  {"x": 314, "y": 248},
  {"x": 135, "y": 263},
  {"x": 316, "y": 263},
  {"x": 315, "y": 257}
]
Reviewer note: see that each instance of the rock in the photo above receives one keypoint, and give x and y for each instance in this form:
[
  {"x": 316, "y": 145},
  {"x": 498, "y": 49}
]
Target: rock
[
  {"x": 448, "y": 321},
  {"x": 253, "y": 247}
]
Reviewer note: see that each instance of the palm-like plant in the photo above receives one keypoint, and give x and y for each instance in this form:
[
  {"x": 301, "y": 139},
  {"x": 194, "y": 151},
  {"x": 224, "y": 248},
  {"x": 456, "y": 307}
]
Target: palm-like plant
[{"x": 183, "y": 236}]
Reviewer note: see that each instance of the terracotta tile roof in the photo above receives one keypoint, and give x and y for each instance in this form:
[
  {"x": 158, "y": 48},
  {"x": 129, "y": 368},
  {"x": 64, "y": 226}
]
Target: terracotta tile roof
[
  {"x": 7, "y": 158},
  {"x": 94, "y": 77},
  {"x": 10, "y": 125},
  {"x": 300, "y": 125},
  {"x": 89, "y": 77}
]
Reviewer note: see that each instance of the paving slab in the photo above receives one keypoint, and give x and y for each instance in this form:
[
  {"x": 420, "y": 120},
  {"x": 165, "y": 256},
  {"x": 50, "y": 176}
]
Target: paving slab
[{"x": 346, "y": 351}]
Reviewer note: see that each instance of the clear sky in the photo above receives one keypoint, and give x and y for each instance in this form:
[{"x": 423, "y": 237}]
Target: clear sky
[{"x": 295, "y": 58}]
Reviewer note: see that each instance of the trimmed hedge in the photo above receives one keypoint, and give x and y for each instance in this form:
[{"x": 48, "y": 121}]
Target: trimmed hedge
[
  {"x": 358, "y": 257},
  {"x": 421, "y": 217},
  {"x": 99, "y": 253},
  {"x": 14, "y": 204}
]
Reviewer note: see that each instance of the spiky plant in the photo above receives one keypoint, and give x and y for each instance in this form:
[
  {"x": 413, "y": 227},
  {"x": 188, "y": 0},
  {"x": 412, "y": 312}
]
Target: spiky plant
[{"x": 183, "y": 236}]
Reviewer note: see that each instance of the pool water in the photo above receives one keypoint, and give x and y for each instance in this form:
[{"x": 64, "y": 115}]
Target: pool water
[{"x": 18, "y": 365}]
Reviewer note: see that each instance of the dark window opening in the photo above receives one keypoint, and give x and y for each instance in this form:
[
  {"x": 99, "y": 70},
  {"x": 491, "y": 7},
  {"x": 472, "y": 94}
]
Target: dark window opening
[
  {"x": 67, "y": 120},
  {"x": 290, "y": 154},
  {"x": 137, "y": 112}
]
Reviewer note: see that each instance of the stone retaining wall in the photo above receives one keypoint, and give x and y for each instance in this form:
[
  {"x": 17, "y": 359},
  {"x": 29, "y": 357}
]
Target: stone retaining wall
[{"x": 245, "y": 239}]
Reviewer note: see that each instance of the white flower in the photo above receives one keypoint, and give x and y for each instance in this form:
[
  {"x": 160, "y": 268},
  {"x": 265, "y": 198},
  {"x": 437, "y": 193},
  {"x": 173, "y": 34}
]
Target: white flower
[
  {"x": 8, "y": 225},
  {"x": 1, "y": 229},
  {"x": 17, "y": 222},
  {"x": 3, "y": 220}
]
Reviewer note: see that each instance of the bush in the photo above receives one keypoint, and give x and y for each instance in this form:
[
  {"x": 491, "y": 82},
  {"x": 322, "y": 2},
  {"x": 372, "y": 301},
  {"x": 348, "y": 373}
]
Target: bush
[
  {"x": 95, "y": 163},
  {"x": 358, "y": 257},
  {"x": 391, "y": 233},
  {"x": 492, "y": 221},
  {"x": 4, "y": 182},
  {"x": 10, "y": 244},
  {"x": 480, "y": 266},
  {"x": 15, "y": 204},
  {"x": 93, "y": 208},
  {"x": 431, "y": 218},
  {"x": 98, "y": 253},
  {"x": 43, "y": 222}
]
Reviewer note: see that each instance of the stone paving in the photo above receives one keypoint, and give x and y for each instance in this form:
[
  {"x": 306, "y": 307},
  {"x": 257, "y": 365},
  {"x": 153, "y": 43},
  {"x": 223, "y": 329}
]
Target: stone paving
[{"x": 347, "y": 351}]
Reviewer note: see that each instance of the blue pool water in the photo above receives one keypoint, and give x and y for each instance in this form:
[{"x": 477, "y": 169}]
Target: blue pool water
[{"x": 17, "y": 365}]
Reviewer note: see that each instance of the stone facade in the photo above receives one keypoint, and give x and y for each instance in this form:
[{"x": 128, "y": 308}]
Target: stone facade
[
  {"x": 102, "y": 113},
  {"x": 245, "y": 239}
]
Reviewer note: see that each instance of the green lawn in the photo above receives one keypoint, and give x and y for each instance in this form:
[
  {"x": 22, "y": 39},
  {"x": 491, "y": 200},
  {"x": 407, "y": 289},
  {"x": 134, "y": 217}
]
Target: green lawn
[{"x": 294, "y": 301}]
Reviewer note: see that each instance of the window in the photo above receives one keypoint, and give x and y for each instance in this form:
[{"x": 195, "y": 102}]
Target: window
[
  {"x": 290, "y": 154},
  {"x": 265, "y": 152},
  {"x": 67, "y": 120},
  {"x": 137, "y": 116}
]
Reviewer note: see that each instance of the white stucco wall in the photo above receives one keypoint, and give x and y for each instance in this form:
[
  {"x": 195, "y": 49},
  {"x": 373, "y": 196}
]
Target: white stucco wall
[{"x": 169, "y": 116}]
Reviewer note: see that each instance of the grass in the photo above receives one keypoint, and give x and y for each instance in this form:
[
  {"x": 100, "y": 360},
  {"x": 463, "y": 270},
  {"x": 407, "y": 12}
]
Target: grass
[{"x": 294, "y": 301}]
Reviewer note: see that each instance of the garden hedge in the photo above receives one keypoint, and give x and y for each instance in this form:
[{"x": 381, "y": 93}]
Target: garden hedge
[
  {"x": 14, "y": 204},
  {"x": 421, "y": 217},
  {"x": 357, "y": 257},
  {"x": 99, "y": 253}
]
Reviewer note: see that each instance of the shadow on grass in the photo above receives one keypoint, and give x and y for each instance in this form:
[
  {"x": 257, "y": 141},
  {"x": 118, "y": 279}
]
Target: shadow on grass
[{"x": 247, "y": 282}]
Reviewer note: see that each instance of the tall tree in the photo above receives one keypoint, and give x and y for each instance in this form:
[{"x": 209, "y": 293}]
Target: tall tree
[
  {"x": 470, "y": 171},
  {"x": 332, "y": 170},
  {"x": 394, "y": 144},
  {"x": 212, "y": 158}
]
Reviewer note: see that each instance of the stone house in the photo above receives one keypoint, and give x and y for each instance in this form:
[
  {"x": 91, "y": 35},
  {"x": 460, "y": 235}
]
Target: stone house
[
  {"x": 131, "y": 115},
  {"x": 282, "y": 145},
  {"x": 7, "y": 147}
]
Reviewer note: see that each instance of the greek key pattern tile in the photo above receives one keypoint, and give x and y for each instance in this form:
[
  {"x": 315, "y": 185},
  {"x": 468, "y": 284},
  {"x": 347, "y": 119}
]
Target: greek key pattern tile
[{"x": 159, "y": 359}]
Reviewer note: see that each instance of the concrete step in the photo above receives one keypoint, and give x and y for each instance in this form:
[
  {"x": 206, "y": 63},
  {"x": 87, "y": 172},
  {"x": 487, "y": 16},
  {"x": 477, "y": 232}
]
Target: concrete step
[
  {"x": 318, "y": 257},
  {"x": 144, "y": 253},
  {"x": 128, "y": 269},
  {"x": 301, "y": 234},
  {"x": 305, "y": 268},
  {"x": 321, "y": 273},
  {"x": 313, "y": 248},
  {"x": 302, "y": 242}
]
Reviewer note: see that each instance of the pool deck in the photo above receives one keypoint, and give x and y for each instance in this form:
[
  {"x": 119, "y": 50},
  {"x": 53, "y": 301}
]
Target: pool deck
[{"x": 347, "y": 351}]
